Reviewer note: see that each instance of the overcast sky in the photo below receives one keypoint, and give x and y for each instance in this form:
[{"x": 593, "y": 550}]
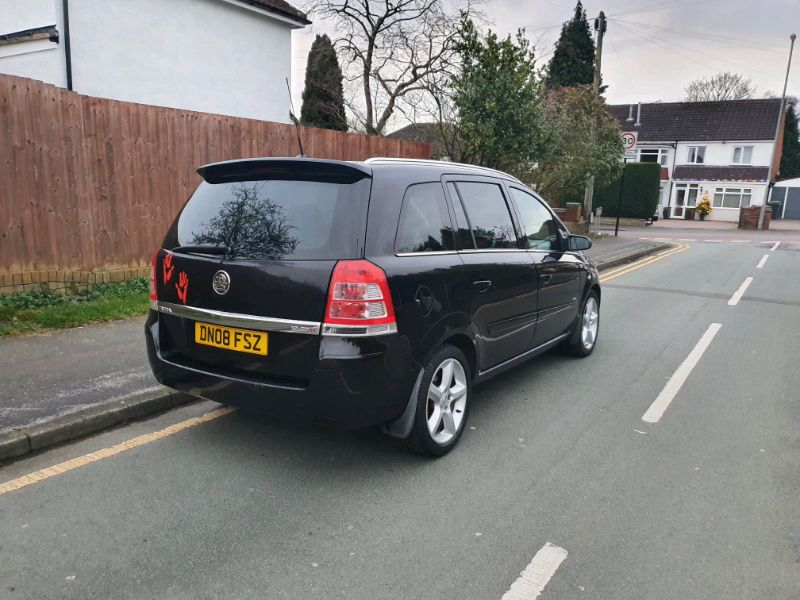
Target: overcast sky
[{"x": 652, "y": 48}]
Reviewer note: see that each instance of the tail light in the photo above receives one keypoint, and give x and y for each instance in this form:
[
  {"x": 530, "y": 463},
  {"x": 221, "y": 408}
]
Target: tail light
[
  {"x": 153, "y": 289},
  {"x": 359, "y": 301}
]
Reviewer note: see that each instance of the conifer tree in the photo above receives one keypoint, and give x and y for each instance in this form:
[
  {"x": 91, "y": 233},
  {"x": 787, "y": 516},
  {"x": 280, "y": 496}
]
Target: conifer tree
[
  {"x": 573, "y": 60},
  {"x": 790, "y": 157},
  {"x": 323, "y": 100}
]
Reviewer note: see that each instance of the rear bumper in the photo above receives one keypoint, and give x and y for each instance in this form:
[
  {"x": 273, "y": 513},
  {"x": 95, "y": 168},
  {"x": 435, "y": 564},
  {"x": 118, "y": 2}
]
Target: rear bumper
[{"x": 358, "y": 382}]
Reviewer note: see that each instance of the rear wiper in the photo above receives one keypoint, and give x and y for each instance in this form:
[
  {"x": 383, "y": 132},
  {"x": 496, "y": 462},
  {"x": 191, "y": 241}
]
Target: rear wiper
[{"x": 202, "y": 249}]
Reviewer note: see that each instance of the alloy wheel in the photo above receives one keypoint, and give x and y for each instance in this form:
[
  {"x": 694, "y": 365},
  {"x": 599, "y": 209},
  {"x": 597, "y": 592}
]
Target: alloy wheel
[
  {"x": 447, "y": 401},
  {"x": 590, "y": 323}
]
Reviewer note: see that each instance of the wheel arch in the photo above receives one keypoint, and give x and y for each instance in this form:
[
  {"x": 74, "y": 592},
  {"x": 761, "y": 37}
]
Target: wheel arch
[{"x": 464, "y": 343}]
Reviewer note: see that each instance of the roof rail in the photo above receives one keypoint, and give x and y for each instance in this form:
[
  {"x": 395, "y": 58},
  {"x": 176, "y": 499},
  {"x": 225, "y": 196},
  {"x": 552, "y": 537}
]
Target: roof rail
[{"x": 437, "y": 163}]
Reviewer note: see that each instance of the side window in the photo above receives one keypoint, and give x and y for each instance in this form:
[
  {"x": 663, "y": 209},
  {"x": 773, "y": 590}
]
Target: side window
[
  {"x": 488, "y": 215},
  {"x": 464, "y": 239},
  {"x": 424, "y": 221},
  {"x": 540, "y": 229}
]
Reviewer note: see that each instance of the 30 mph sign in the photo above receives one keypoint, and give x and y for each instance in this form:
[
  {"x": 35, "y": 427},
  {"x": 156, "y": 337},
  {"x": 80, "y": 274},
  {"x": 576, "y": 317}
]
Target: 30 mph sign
[{"x": 629, "y": 139}]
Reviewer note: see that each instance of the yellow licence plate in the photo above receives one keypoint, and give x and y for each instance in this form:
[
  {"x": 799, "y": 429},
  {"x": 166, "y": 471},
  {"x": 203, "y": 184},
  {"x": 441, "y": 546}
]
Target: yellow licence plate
[{"x": 231, "y": 338}]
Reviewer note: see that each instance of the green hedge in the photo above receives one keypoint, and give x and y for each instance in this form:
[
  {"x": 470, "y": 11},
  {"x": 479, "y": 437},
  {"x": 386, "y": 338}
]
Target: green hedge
[{"x": 639, "y": 194}]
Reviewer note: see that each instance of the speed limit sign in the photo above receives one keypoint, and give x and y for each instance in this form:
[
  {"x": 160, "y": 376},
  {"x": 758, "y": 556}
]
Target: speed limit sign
[{"x": 629, "y": 139}]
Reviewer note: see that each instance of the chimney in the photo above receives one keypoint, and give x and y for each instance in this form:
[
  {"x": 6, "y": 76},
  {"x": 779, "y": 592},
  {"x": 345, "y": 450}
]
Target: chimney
[
  {"x": 630, "y": 114},
  {"x": 638, "y": 116}
]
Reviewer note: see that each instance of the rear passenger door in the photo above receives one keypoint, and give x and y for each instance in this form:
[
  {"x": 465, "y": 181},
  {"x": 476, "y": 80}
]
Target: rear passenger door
[
  {"x": 501, "y": 277},
  {"x": 560, "y": 273}
]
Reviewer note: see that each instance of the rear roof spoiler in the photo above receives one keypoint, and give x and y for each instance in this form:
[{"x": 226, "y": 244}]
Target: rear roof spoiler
[{"x": 296, "y": 169}]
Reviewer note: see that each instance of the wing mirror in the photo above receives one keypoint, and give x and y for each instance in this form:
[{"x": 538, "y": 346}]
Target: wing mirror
[{"x": 579, "y": 242}]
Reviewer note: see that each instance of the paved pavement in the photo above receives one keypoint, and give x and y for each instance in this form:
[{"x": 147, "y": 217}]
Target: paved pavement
[
  {"x": 557, "y": 474},
  {"x": 58, "y": 372},
  {"x": 785, "y": 231},
  {"x": 61, "y": 372}
]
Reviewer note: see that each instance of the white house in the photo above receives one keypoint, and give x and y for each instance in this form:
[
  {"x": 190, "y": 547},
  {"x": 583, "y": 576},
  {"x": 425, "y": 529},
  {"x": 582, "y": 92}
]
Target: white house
[
  {"x": 230, "y": 57},
  {"x": 720, "y": 149}
]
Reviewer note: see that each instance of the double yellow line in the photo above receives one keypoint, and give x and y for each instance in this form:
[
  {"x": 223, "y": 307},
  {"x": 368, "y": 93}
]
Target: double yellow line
[{"x": 649, "y": 260}]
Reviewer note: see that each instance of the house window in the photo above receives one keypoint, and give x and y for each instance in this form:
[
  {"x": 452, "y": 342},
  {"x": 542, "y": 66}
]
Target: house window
[
  {"x": 742, "y": 155},
  {"x": 697, "y": 155},
  {"x": 732, "y": 197},
  {"x": 655, "y": 155}
]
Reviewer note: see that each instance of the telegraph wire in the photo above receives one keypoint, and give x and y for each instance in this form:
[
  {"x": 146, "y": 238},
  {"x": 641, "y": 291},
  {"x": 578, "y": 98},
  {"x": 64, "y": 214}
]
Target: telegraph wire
[
  {"x": 711, "y": 36},
  {"x": 661, "y": 6}
]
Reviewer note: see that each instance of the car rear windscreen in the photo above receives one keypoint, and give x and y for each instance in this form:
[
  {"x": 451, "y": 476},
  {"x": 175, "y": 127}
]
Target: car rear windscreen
[{"x": 277, "y": 219}]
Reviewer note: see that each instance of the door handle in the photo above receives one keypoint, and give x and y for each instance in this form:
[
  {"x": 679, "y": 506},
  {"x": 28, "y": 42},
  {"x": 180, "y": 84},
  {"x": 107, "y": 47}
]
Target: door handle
[
  {"x": 482, "y": 285},
  {"x": 545, "y": 277}
]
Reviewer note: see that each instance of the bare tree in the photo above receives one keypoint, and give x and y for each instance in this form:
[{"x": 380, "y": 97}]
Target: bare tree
[
  {"x": 391, "y": 49},
  {"x": 722, "y": 86}
]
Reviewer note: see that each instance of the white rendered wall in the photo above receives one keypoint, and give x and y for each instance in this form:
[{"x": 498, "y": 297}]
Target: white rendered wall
[
  {"x": 39, "y": 59},
  {"x": 204, "y": 55},
  {"x": 213, "y": 56},
  {"x": 721, "y": 154}
]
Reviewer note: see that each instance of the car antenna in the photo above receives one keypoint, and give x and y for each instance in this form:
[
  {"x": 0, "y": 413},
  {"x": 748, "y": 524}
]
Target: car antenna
[{"x": 294, "y": 120}]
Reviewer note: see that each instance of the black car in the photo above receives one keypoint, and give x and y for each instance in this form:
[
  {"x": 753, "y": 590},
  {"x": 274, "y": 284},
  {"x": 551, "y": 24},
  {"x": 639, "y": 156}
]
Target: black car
[{"x": 363, "y": 293}]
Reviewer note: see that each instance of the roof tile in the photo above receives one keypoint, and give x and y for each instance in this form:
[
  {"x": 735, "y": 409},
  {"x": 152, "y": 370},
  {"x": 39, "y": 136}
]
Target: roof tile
[
  {"x": 711, "y": 173},
  {"x": 728, "y": 120},
  {"x": 282, "y": 8}
]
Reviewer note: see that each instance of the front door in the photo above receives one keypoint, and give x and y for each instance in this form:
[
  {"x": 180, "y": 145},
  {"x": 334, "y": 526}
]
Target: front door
[
  {"x": 501, "y": 283},
  {"x": 680, "y": 202},
  {"x": 685, "y": 197},
  {"x": 561, "y": 274}
]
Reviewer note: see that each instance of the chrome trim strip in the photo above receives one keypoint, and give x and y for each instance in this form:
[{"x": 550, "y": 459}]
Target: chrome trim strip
[
  {"x": 554, "y": 341},
  {"x": 468, "y": 251},
  {"x": 433, "y": 253},
  {"x": 219, "y": 317},
  {"x": 358, "y": 330},
  {"x": 488, "y": 250}
]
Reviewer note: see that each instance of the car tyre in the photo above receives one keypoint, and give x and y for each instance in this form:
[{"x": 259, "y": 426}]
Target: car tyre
[
  {"x": 442, "y": 403},
  {"x": 584, "y": 337}
]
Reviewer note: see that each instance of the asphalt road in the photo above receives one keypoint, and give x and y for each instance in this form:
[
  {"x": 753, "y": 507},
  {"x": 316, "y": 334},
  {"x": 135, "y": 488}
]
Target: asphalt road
[{"x": 702, "y": 503}]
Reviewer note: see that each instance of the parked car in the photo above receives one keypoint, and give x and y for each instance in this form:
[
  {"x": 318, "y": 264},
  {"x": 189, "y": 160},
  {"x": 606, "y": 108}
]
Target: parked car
[{"x": 364, "y": 293}]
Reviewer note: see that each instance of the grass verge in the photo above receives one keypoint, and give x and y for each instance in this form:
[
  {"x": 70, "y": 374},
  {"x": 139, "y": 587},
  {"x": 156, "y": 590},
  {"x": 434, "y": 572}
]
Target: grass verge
[{"x": 37, "y": 310}]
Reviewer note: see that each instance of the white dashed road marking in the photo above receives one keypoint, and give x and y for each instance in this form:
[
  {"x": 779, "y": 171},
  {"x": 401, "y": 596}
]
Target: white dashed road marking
[
  {"x": 532, "y": 580},
  {"x": 775, "y": 247},
  {"x": 737, "y": 295},
  {"x": 667, "y": 395},
  {"x": 762, "y": 262}
]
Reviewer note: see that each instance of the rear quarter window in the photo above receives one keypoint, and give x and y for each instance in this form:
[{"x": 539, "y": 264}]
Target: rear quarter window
[{"x": 278, "y": 219}]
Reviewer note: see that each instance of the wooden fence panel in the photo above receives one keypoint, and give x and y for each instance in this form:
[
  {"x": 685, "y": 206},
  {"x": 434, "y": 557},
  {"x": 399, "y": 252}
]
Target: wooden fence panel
[{"x": 88, "y": 183}]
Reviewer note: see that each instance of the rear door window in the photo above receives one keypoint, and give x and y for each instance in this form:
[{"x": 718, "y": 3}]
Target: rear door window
[
  {"x": 488, "y": 215},
  {"x": 537, "y": 222},
  {"x": 277, "y": 219},
  {"x": 424, "y": 224}
]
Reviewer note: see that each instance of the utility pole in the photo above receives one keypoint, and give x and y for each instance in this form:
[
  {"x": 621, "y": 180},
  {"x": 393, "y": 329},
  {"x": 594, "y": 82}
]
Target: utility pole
[
  {"x": 600, "y": 28},
  {"x": 772, "y": 169}
]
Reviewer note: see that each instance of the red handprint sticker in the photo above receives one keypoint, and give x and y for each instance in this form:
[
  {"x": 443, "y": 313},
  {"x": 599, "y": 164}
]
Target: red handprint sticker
[
  {"x": 182, "y": 286},
  {"x": 168, "y": 267}
]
